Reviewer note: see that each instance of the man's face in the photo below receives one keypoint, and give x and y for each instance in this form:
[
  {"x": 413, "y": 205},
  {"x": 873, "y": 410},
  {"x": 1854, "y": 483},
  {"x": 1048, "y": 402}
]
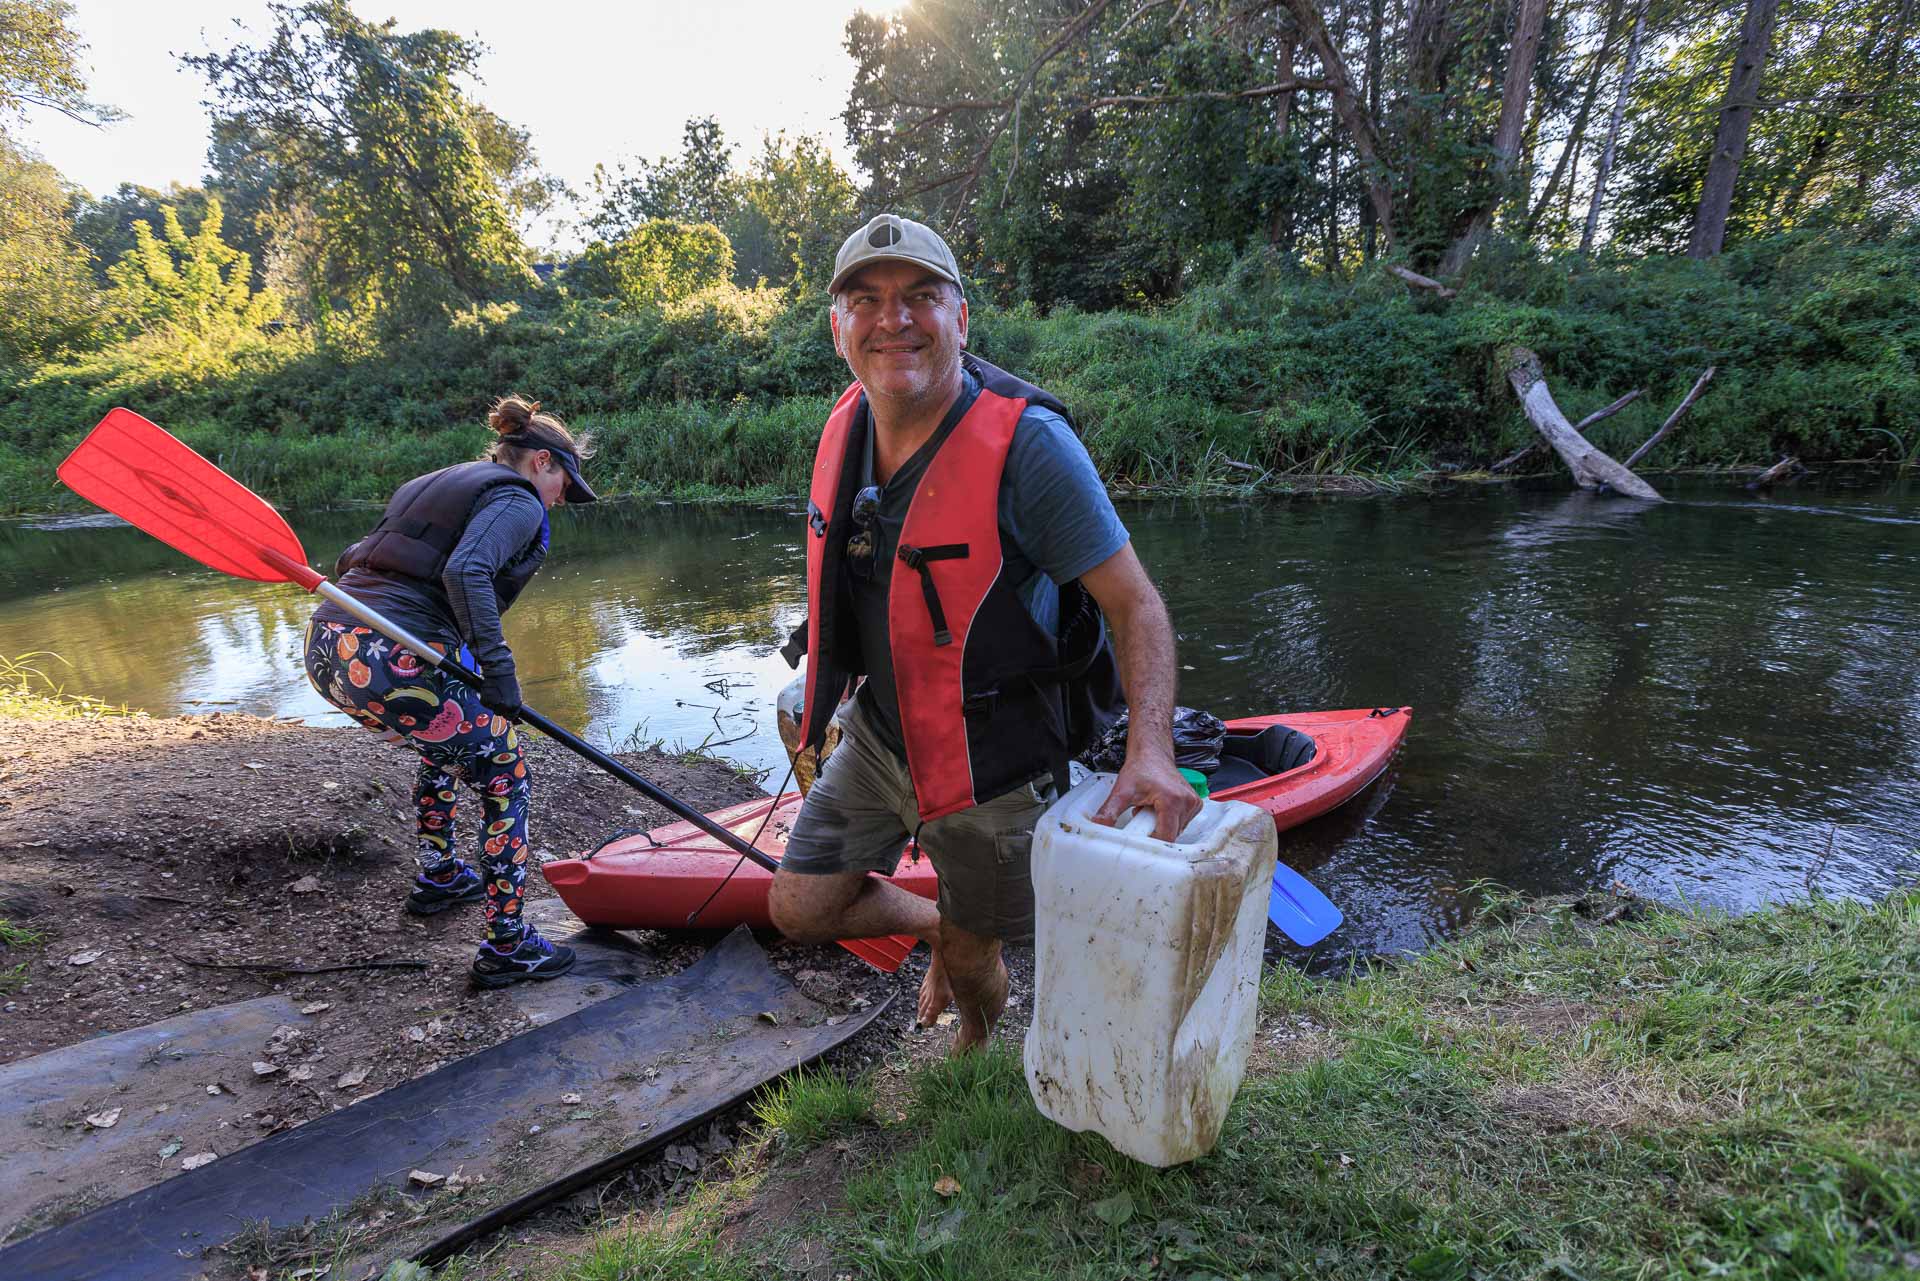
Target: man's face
[{"x": 900, "y": 329}]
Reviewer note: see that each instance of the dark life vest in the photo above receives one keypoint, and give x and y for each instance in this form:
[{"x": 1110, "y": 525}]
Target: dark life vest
[
  {"x": 423, "y": 523},
  {"x": 989, "y": 700}
]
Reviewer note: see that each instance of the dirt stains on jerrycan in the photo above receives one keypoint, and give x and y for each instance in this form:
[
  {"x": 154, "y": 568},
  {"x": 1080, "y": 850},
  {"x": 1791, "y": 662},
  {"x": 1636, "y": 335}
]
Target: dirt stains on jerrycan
[{"x": 1147, "y": 970}]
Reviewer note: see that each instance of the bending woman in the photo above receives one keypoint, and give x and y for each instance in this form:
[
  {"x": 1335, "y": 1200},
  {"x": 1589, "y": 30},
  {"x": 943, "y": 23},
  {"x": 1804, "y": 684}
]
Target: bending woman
[{"x": 453, "y": 550}]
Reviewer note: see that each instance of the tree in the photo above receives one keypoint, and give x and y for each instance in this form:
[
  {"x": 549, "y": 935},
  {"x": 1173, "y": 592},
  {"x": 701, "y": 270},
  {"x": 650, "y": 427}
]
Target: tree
[
  {"x": 404, "y": 185},
  {"x": 194, "y": 288},
  {"x": 1613, "y": 129},
  {"x": 1102, "y": 151},
  {"x": 694, "y": 186},
  {"x": 106, "y": 225},
  {"x": 40, "y": 63},
  {"x": 48, "y": 300},
  {"x": 1730, "y": 139},
  {"x": 1528, "y": 25},
  {"x": 1833, "y": 135},
  {"x": 659, "y": 262},
  {"x": 795, "y": 205},
  {"x": 784, "y": 214}
]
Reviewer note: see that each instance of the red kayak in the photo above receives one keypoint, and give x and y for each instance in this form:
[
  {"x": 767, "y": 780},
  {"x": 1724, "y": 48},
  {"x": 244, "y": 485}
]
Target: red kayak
[{"x": 1295, "y": 767}]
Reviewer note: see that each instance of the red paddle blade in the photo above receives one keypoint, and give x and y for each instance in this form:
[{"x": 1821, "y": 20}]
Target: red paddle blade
[
  {"x": 156, "y": 483},
  {"x": 883, "y": 954}
]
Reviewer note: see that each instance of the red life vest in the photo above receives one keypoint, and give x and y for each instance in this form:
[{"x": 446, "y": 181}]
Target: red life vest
[{"x": 989, "y": 700}]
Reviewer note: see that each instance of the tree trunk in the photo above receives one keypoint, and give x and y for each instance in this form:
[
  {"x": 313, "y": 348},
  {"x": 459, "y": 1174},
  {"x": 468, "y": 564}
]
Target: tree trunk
[
  {"x": 1730, "y": 140},
  {"x": 1280, "y": 228},
  {"x": 1332, "y": 241},
  {"x": 1353, "y": 114},
  {"x": 1506, "y": 138},
  {"x": 1591, "y": 468},
  {"x": 1613, "y": 131},
  {"x": 1376, "y": 15},
  {"x": 1577, "y": 134}
]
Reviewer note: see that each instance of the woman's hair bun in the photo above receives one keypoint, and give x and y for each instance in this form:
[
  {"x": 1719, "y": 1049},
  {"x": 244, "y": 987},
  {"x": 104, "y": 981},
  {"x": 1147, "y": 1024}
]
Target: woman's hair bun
[
  {"x": 518, "y": 416},
  {"x": 512, "y": 414}
]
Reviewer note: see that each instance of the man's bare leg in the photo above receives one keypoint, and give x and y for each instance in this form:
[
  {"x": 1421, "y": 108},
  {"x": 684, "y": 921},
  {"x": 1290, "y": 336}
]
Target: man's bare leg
[
  {"x": 847, "y": 905},
  {"x": 972, "y": 966}
]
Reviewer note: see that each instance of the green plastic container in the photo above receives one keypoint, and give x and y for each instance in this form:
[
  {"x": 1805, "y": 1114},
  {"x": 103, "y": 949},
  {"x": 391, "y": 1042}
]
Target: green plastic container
[{"x": 1198, "y": 782}]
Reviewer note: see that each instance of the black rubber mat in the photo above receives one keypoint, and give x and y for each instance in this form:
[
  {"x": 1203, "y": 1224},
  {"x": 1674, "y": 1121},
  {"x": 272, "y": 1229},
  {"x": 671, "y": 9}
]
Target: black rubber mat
[
  {"x": 645, "y": 1065},
  {"x": 153, "y": 1079}
]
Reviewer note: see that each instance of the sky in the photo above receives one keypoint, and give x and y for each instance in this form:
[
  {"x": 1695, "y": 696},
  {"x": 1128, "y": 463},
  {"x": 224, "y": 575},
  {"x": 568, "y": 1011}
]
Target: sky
[{"x": 593, "y": 83}]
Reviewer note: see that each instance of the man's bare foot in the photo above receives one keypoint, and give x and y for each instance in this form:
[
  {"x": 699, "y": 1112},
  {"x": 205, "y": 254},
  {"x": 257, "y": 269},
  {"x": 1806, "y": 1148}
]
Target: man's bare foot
[
  {"x": 936, "y": 994},
  {"x": 977, "y": 1018}
]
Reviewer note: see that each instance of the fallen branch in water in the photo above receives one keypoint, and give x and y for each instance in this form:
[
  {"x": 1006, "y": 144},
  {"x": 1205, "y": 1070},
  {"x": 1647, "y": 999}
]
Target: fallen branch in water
[
  {"x": 269, "y": 967},
  {"x": 1699, "y": 385},
  {"x": 1785, "y": 467},
  {"x": 1591, "y": 468},
  {"x": 1609, "y": 412},
  {"x": 1517, "y": 457}
]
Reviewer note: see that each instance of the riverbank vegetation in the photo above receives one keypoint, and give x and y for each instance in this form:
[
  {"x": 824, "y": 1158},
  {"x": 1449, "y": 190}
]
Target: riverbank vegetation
[
  {"x": 1592, "y": 1088},
  {"x": 1181, "y": 219},
  {"x": 30, "y": 689}
]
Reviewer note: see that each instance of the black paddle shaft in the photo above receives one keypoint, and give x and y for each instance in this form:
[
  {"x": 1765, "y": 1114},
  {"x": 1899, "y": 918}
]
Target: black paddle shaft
[{"x": 580, "y": 747}]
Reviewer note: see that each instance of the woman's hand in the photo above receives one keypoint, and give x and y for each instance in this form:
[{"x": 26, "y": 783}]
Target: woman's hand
[{"x": 501, "y": 694}]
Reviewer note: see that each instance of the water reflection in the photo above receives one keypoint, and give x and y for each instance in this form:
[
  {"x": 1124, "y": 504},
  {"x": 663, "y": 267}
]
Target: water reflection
[{"x": 1702, "y": 698}]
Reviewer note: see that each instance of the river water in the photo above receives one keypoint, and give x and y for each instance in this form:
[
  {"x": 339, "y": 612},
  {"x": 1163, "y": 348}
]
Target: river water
[{"x": 1716, "y": 699}]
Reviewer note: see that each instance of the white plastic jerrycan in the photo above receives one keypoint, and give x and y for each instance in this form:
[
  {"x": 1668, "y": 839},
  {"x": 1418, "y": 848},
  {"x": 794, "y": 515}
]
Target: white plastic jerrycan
[{"x": 1147, "y": 970}]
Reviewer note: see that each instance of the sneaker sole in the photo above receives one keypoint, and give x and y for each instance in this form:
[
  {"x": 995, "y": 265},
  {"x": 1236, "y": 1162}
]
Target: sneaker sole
[
  {"x": 509, "y": 978},
  {"x": 434, "y": 909}
]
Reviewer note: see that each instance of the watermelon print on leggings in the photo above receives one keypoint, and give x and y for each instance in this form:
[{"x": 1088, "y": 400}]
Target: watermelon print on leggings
[{"x": 392, "y": 692}]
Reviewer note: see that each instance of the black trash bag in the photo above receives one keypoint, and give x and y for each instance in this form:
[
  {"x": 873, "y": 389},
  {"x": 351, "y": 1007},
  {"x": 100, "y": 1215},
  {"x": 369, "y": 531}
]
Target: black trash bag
[{"x": 1197, "y": 739}]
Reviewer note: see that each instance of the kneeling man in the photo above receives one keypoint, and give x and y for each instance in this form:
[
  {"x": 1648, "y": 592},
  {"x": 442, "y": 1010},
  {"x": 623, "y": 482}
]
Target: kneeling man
[{"x": 961, "y": 555}]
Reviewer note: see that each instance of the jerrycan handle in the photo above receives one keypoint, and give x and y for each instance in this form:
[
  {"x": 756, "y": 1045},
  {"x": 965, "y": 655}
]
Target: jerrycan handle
[{"x": 1139, "y": 822}]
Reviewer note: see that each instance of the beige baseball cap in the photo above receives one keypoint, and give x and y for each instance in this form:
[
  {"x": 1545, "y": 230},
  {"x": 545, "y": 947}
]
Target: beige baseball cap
[{"x": 891, "y": 238}]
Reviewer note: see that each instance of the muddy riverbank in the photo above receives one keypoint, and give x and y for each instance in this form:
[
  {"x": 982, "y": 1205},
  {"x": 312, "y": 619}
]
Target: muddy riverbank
[{"x": 144, "y": 854}]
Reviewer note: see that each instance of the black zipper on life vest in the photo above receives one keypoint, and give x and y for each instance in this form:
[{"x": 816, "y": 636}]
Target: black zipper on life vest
[{"x": 917, "y": 558}]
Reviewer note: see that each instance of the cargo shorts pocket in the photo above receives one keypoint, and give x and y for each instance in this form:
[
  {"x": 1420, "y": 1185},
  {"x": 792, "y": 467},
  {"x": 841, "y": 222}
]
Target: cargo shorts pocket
[{"x": 1013, "y": 885}]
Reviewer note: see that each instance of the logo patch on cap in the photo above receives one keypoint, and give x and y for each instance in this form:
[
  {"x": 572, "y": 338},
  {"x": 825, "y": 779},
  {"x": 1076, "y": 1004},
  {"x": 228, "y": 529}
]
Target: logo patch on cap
[{"x": 884, "y": 236}]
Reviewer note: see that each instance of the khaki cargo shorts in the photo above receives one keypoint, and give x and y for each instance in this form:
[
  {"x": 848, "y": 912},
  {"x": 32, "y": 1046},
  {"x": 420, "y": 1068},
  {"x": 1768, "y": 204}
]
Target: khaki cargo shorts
[{"x": 861, "y": 811}]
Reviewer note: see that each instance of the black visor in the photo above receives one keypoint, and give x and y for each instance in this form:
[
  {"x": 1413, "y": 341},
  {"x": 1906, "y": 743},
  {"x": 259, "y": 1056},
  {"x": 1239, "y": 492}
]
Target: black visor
[{"x": 578, "y": 491}]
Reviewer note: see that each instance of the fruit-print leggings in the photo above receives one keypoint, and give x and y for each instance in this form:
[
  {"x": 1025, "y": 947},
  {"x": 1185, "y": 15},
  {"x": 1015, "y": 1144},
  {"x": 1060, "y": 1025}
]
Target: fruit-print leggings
[{"x": 389, "y": 690}]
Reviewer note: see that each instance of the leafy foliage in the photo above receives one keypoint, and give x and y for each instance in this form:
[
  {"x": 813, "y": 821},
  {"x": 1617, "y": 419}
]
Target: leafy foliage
[
  {"x": 1817, "y": 339},
  {"x": 396, "y": 191},
  {"x": 660, "y": 261},
  {"x": 784, "y": 215},
  {"x": 1107, "y": 154},
  {"x": 47, "y": 294},
  {"x": 194, "y": 289},
  {"x": 40, "y": 62}
]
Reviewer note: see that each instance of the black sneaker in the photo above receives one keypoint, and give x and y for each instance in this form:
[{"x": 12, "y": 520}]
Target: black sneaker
[
  {"x": 430, "y": 896},
  {"x": 535, "y": 958}
]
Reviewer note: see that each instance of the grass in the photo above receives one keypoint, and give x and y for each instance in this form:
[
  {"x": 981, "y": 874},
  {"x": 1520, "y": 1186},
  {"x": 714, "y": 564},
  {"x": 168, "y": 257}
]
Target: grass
[
  {"x": 28, "y": 692},
  {"x": 12, "y": 977},
  {"x": 806, "y": 1107},
  {"x": 1563, "y": 1094}
]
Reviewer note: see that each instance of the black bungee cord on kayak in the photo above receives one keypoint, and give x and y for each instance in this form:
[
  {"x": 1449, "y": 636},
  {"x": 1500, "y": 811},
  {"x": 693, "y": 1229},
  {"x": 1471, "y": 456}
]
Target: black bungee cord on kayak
[{"x": 778, "y": 792}]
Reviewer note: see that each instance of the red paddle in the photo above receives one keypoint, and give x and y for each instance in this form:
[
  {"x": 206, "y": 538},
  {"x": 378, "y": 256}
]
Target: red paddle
[{"x": 156, "y": 483}]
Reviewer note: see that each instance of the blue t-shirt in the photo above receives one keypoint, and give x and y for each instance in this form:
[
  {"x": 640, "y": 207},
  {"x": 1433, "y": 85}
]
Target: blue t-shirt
[{"x": 1056, "y": 523}]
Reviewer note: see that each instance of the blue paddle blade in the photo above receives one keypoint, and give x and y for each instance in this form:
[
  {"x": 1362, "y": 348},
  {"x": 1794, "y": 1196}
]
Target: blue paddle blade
[{"x": 1303, "y": 913}]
